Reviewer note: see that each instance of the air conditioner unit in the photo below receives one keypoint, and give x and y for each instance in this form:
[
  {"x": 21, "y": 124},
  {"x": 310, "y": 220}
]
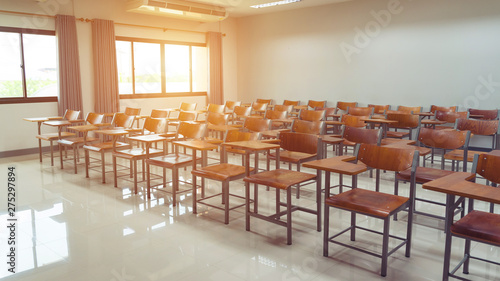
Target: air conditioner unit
[{"x": 178, "y": 9}]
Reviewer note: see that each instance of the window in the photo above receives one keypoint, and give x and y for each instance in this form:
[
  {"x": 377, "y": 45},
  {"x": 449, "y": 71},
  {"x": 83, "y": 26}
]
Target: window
[
  {"x": 28, "y": 68},
  {"x": 153, "y": 68}
]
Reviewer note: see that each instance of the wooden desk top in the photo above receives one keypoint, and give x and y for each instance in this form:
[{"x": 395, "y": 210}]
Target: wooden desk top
[
  {"x": 57, "y": 123},
  {"x": 83, "y": 128},
  {"x": 112, "y": 132},
  {"x": 433, "y": 122},
  {"x": 254, "y": 145},
  {"x": 333, "y": 122},
  {"x": 221, "y": 128},
  {"x": 42, "y": 119},
  {"x": 424, "y": 114},
  {"x": 196, "y": 144},
  {"x": 147, "y": 138},
  {"x": 338, "y": 164},
  {"x": 380, "y": 121},
  {"x": 458, "y": 184},
  {"x": 389, "y": 141},
  {"x": 331, "y": 139}
]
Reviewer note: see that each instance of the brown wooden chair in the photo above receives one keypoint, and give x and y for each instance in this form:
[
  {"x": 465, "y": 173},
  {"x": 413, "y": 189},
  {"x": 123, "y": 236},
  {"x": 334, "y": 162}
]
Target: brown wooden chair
[
  {"x": 76, "y": 142},
  {"x": 133, "y": 111},
  {"x": 308, "y": 127},
  {"x": 281, "y": 107},
  {"x": 355, "y": 135},
  {"x": 120, "y": 121},
  {"x": 158, "y": 113},
  {"x": 184, "y": 116},
  {"x": 150, "y": 126},
  {"x": 297, "y": 148},
  {"x": 230, "y": 105},
  {"x": 379, "y": 109},
  {"x": 444, "y": 140},
  {"x": 239, "y": 115},
  {"x": 449, "y": 117},
  {"x": 477, "y": 128},
  {"x": 407, "y": 122},
  {"x": 409, "y": 109},
  {"x": 69, "y": 115},
  {"x": 256, "y": 125},
  {"x": 275, "y": 116},
  {"x": 360, "y": 111},
  {"x": 375, "y": 204},
  {"x": 291, "y": 102},
  {"x": 312, "y": 115},
  {"x": 258, "y": 109},
  {"x": 266, "y": 101},
  {"x": 225, "y": 173},
  {"x": 175, "y": 160},
  {"x": 353, "y": 120},
  {"x": 486, "y": 114},
  {"x": 316, "y": 104},
  {"x": 342, "y": 106},
  {"x": 435, "y": 108},
  {"x": 477, "y": 226},
  {"x": 217, "y": 108},
  {"x": 187, "y": 106}
]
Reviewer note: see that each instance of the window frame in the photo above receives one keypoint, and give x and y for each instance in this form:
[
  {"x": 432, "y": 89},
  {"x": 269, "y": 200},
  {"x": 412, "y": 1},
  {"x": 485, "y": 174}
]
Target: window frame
[
  {"x": 163, "y": 94},
  {"x": 25, "y": 98}
]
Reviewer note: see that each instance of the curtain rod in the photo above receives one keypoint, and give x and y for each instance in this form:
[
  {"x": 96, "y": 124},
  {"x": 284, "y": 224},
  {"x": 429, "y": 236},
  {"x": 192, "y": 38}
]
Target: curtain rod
[{"x": 116, "y": 23}]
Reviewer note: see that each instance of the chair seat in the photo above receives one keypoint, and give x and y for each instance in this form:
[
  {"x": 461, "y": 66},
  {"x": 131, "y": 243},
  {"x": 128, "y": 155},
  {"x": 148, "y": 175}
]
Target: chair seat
[
  {"x": 279, "y": 178},
  {"x": 73, "y": 141},
  {"x": 55, "y": 136},
  {"x": 293, "y": 156},
  {"x": 480, "y": 226},
  {"x": 458, "y": 155},
  {"x": 106, "y": 146},
  {"x": 348, "y": 143},
  {"x": 220, "y": 172},
  {"x": 398, "y": 134},
  {"x": 423, "y": 174},
  {"x": 136, "y": 152},
  {"x": 367, "y": 202},
  {"x": 171, "y": 160}
]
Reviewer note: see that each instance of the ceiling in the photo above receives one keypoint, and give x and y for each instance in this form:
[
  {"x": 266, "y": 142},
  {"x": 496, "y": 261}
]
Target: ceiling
[{"x": 241, "y": 8}]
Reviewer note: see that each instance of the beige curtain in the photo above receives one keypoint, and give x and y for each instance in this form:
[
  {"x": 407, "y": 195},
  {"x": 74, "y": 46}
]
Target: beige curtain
[
  {"x": 214, "y": 44},
  {"x": 105, "y": 67},
  {"x": 70, "y": 88}
]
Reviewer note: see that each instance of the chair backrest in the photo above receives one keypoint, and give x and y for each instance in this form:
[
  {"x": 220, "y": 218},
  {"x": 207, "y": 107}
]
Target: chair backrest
[
  {"x": 242, "y": 111},
  {"x": 445, "y": 139},
  {"x": 187, "y": 116},
  {"x": 94, "y": 118},
  {"x": 216, "y": 118},
  {"x": 358, "y": 135},
  {"x": 71, "y": 114},
  {"x": 122, "y": 120},
  {"x": 281, "y": 107},
  {"x": 353, "y": 121},
  {"x": 191, "y": 130},
  {"x": 266, "y": 101},
  {"x": 230, "y": 105},
  {"x": 132, "y": 111},
  {"x": 478, "y": 127},
  {"x": 219, "y": 108},
  {"x": 291, "y": 102},
  {"x": 360, "y": 111},
  {"x": 257, "y": 124},
  {"x": 379, "y": 109},
  {"x": 342, "y": 105},
  {"x": 299, "y": 142},
  {"x": 235, "y": 135},
  {"x": 316, "y": 104},
  {"x": 404, "y": 120},
  {"x": 410, "y": 109},
  {"x": 387, "y": 158},
  {"x": 276, "y": 114},
  {"x": 308, "y": 127},
  {"x": 487, "y": 114},
  {"x": 186, "y": 106},
  {"x": 158, "y": 113},
  {"x": 259, "y": 106},
  {"x": 450, "y": 116},
  {"x": 155, "y": 125},
  {"x": 486, "y": 165},
  {"x": 312, "y": 115},
  {"x": 435, "y": 108}
]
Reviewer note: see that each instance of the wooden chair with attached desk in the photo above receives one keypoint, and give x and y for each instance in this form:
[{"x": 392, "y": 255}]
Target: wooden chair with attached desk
[
  {"x": 486, "y": 128},
  {"x": 484, "y": 114},
  {"x": 76, "y": 142},
  {"x": 279, "y": 119},
  {"x": 372, "y": 203},
  {"x": 445, "y": 140},
  {"x": 225, "y": 172},
  {"x": 258, "y": 109},
  {"x": 295, "y": 104},
  {"x": 409, "y": 109},
  {"x": 69, "y": 115},
  {"x": 316, "y": 104},
  {"x": 312, "y": 115},
  {"x": 380, "y": 109},
  {"x": 153, "y": 127},
  {"x": 477, "y": 226},
  {"x": 435, "y": 108},
  {"x": 447, "y": 119},
  {"x": 407, "y": 122},
  {"x": 120, "y": 121},
  {"x": 342, "y": 106},
  {"x": 239, "y": 115},
  {"x": 360, "y": 111},
  {"x": 175, "y": 160}
]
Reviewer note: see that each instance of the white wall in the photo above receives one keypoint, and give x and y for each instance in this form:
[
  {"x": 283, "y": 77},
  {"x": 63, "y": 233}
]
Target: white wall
[
  {"x": 24, "y": 132},
  {"x": 425, "y": 52}
]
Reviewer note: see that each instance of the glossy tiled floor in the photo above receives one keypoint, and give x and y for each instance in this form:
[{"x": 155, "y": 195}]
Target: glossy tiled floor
[{"x": 73, "y": 228}]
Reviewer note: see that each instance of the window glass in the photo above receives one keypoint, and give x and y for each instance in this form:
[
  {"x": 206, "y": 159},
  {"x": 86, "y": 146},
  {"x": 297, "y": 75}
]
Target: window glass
[
  {"x": 177, "y": 68},
  {"x": 200, "y": 69},
  {"x": 147, "y": 66},
  {"x": 124, "y": 64},
  {"x": 11, "y": 77},
  {"x": 40, "y": 65}
]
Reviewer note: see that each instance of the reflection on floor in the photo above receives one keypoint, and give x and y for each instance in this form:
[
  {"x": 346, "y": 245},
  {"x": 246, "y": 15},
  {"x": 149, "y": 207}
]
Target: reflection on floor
[{"x": 73, "y": 228}]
